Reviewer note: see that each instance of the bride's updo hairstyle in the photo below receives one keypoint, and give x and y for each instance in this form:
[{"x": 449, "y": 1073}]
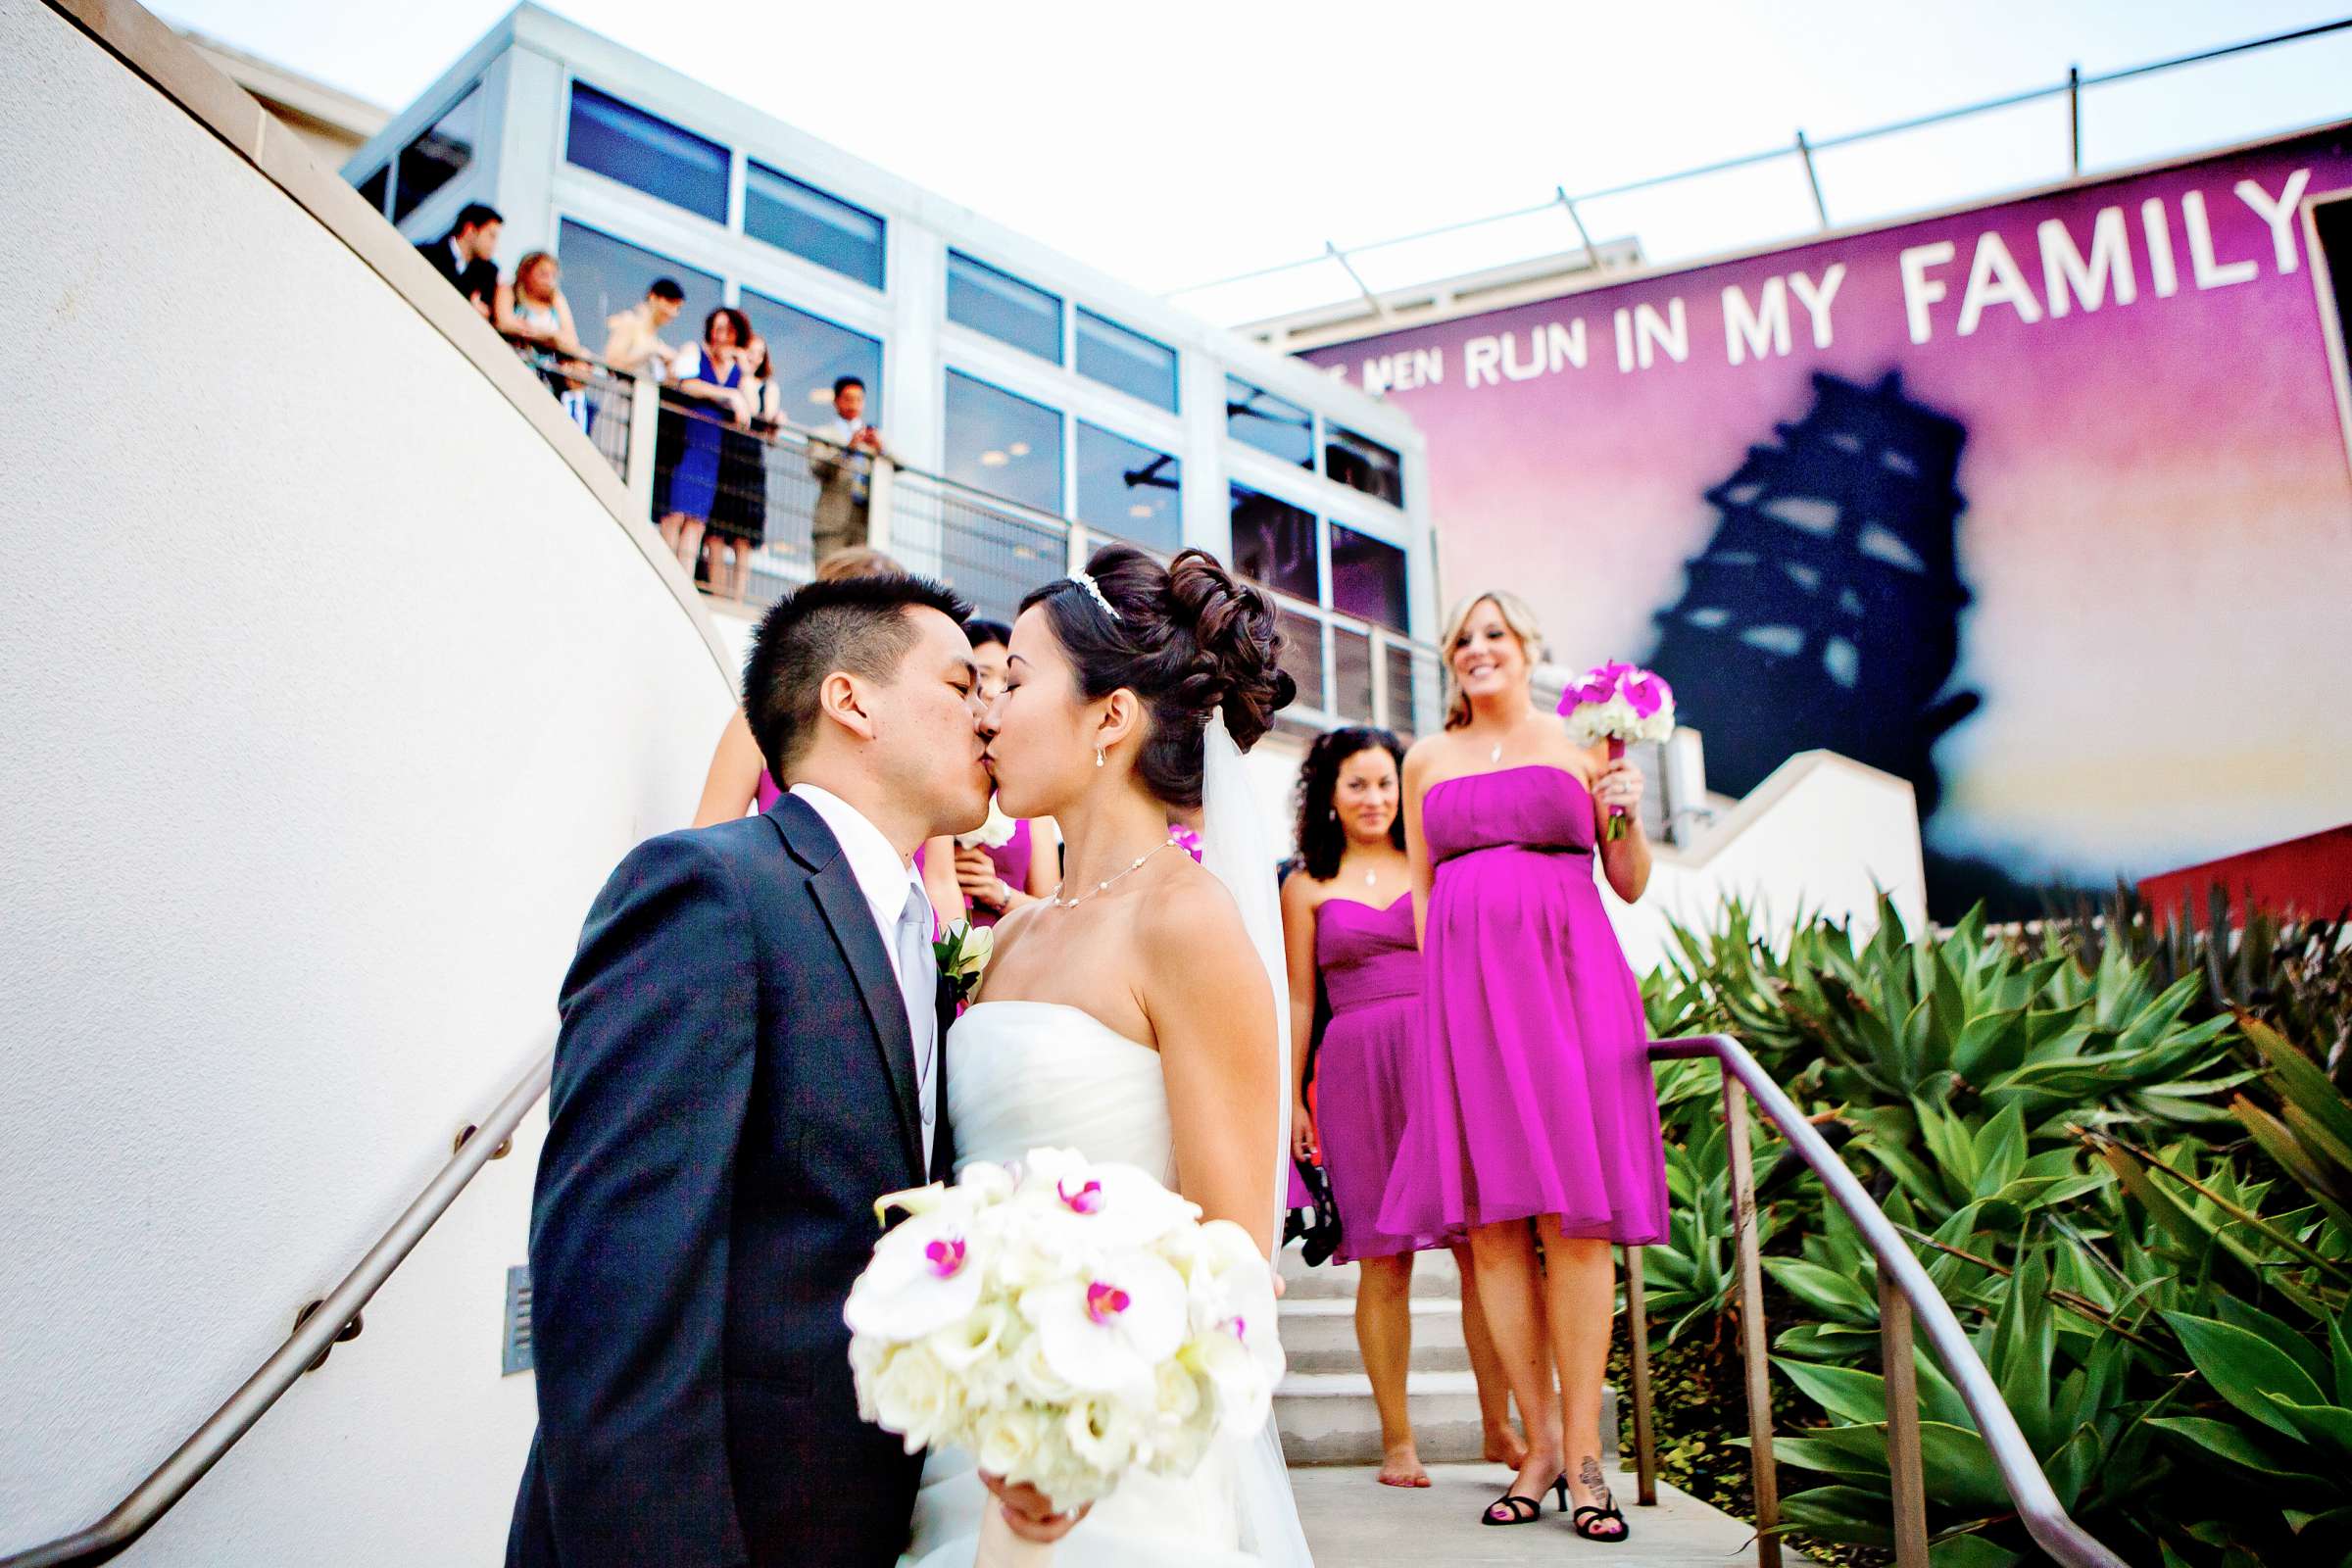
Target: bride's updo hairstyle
[{"x": 1189, "y": 638}]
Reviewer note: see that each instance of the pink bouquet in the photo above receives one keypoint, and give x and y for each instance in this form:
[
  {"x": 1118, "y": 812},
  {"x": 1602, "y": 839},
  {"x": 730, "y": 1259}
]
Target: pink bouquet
[{"x": 1618, "y": 703}]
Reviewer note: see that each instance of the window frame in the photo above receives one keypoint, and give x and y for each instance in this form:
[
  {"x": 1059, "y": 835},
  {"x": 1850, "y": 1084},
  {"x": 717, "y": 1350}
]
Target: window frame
[
  {"x": 1081, "y": 314},
  {"x": 1065, "y": 478},
  {"x": 1061, "y": 314},
  {"x": 727, "y": 217},
  {"x": 753, "y": 166}
]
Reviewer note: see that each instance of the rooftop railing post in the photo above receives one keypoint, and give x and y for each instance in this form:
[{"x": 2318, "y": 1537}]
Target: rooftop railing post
[
  {"x": 879, "y": 487},
  {"x": 645, "y": 424},
  {"x": 1753, "y": 1345},
  {"x": 2074, "y": 115},
  {"x": 1376, "y": 649},
  {"x": 1077, "y": 550},
  {"x": 1646, "y": 1433},
  {"x": 1804, "y": 151},
  {"x": 1907, "y": 1481}
]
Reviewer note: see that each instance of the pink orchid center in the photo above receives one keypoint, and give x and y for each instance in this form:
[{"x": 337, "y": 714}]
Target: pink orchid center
[
  {"x": 1087, "y": 1200},
  {"x": 1241, "y": 1328},
  {"x": 945, "y": 1257},
  {"x": 1106, "y": 1301}
]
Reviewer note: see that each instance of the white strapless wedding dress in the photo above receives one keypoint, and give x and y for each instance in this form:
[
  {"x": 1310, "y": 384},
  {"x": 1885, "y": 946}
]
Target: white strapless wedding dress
[{"x": 1028, "y": 1075}]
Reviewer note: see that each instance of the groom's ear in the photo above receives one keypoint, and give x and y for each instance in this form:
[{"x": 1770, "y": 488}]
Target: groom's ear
[{"x": 842, "y": 697}]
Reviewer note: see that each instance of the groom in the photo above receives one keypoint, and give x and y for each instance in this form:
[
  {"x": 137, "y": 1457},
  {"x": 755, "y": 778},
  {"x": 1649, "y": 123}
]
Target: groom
[{"x": 751, "y": 1054}]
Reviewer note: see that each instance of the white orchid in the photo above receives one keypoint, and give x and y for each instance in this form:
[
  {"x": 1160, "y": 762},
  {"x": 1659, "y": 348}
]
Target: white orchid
[
  {"x": 1106, "y": 1329},
  {"x": 923, "y": 1277}
]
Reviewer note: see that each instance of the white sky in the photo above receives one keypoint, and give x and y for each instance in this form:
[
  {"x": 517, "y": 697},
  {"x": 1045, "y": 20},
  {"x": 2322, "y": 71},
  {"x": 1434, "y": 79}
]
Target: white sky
[{"x": 1171, "y": 144}]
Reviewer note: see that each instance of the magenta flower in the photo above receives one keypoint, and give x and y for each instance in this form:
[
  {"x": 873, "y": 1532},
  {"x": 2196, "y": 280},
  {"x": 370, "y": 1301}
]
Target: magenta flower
[
  {"x": 945, "y": 1257},
  {"x": 1087, "y": 1200},
  {"x": 1106, "y": 1301}
]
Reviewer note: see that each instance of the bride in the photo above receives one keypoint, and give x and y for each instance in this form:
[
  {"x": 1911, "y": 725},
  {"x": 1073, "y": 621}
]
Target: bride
[{"x": 1134, "y": 1015}]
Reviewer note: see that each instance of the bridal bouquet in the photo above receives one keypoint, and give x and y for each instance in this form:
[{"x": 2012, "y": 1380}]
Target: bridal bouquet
[
  {"x": 993, "y": 834},
  {"x": 1063, "y": 1322},
  {"x": 1618, "y": 703}
]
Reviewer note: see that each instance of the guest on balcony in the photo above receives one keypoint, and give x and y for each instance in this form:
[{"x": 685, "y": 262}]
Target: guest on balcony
[
  {"x": 710, "y": 379},
  {"x": 840, "y": 456},
  {"x": 533, "y": 315},
  {"x": 467, "y": 255},
  {"x": 739, "y": 510},
  {"x": 633, "y": 338}
]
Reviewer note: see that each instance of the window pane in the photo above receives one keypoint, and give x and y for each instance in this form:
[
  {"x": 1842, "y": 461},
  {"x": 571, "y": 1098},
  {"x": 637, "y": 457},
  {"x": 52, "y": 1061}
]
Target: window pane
[
  {"x": 435, "y": 157},
  {"x": 1129, "y": 361},
  {"x": 807, "y": 222},
  {"x": 604, "y": 276},
  {"x": 1003, "y": 306},
  {"x": 623, "y": 142},
  {"x": 1129, "y": 489},
  {"x": 1274, "y": 542},
  {"x": 1269, "y": 423},
  {"x": 807, "y": 353},
  {"x": 1005, "y": 445},
  {"x": 1367, "y": 577},
  {"x": 1362, "y": 464},
  {"x": 377, "y": 186}
]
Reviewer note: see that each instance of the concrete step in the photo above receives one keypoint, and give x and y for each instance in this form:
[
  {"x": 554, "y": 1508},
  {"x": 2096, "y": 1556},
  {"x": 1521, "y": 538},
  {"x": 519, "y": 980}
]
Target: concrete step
[
  {"x": 1434, "y": 1275},
  {"x": 1318, "y": 1334},
  {"x": 1329, "y": 1418}
]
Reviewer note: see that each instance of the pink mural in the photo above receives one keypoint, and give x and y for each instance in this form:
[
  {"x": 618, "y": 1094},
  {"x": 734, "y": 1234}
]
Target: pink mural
[{"x": 2045, "y": 506}]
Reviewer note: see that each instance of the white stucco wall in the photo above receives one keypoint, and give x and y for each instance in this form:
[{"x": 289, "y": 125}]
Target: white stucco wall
[
  {"x": 1819, "y": 837},
  {"x": 331, "y": 694}
]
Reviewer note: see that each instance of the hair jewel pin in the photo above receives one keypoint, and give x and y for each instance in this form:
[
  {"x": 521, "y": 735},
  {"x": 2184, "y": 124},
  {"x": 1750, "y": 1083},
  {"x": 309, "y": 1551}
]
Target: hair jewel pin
[{"x": 1084, "y": 580}]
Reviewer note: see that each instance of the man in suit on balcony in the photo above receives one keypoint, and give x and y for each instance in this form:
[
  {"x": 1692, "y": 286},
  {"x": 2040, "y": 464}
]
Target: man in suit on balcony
[
  {"x": 467, "y": 255},
  {"x": 841, "y": 457}
]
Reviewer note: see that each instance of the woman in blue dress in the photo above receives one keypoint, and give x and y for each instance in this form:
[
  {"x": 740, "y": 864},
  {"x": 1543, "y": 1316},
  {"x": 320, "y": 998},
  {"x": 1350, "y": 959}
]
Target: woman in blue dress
[{"x": 712, "y": 389}]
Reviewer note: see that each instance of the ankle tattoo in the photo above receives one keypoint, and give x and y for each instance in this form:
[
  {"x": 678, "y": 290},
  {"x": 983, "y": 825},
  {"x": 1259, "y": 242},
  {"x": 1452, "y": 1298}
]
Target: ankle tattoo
[{"x": 1589, "y": 1476}]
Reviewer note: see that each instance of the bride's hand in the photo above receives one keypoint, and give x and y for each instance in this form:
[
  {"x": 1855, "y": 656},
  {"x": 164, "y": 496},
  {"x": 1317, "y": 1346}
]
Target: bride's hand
[{"x": 1030, "y": 1512}]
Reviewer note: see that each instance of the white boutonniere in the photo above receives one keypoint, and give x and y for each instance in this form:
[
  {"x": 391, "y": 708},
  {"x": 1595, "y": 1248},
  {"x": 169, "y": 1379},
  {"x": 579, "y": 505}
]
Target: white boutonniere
[
  {"x": 993, "y": 834},
  {"x": 962, "y": 952}
]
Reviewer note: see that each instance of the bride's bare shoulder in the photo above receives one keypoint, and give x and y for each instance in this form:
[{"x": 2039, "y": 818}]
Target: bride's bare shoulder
[{"x": 1189, "y": 933}]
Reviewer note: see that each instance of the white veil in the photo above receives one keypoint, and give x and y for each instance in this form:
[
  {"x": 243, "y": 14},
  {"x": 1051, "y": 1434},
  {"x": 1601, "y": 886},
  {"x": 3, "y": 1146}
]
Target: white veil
[{"x": 1235, "y": 849}]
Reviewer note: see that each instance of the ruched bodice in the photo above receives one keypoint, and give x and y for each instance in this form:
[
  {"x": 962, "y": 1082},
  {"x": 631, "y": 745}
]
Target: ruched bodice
[
  {"x": 1535, "y": 1094},
  {"x": 1533, "y": 807},
  {"x": 1039, "y": 1074},
  {"x": 1366, "y": 955}
]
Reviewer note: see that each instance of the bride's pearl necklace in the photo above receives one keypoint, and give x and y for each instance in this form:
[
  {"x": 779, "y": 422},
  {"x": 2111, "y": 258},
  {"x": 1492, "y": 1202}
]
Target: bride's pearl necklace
[{"x": 1136, "y": 864}]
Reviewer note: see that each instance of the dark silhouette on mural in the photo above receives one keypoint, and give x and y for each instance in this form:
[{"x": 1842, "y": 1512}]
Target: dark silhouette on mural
[{"x": 1825, "y": 613}]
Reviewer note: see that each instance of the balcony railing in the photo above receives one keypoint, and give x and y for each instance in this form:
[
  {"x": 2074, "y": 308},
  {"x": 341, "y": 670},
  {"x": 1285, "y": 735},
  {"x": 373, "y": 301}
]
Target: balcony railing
[{"x": 1349, "y": 670}]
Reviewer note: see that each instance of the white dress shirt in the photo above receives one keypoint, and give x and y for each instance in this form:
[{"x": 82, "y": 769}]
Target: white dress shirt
[{"x": 887, "y": 881}]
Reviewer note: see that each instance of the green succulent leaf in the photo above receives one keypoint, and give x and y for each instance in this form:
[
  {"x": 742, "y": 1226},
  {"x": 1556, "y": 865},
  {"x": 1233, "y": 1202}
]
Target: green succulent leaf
[{"x": 2245, "y": 1369}]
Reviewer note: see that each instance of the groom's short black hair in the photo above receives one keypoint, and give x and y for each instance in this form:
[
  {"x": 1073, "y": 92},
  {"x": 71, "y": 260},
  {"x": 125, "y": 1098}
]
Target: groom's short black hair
[{"x": 856, "y": 624}]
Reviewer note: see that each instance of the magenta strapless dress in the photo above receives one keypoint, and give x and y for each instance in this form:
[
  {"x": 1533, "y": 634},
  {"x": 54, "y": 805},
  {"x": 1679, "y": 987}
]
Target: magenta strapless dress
[
  {"x": 1535, "y": 1095},
  {"x": 1371, "y": 1050}
]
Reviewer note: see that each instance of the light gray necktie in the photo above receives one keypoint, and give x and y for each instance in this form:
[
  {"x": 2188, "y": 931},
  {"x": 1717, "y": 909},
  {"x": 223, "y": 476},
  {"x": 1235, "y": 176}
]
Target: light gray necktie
[{"x": 918, "y": 987}]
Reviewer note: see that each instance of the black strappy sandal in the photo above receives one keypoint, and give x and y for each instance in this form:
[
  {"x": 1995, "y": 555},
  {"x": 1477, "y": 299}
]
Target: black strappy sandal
[
  {"x": 1522, "y": 1510},
  {"x": 1583, "y": 1520}
]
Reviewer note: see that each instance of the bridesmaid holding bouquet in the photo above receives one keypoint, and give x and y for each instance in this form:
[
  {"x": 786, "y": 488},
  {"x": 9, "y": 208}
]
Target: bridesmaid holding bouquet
[
  {"x": 1535, "y": 1117},
  {"x": 1348, "y": 925}
]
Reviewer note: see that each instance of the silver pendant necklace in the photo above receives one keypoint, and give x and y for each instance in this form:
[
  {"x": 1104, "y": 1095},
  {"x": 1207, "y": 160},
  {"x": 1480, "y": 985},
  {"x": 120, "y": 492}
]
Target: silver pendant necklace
[
  {"x": 1495, "y": 755},
  {"x": 1136, "y": 864}
]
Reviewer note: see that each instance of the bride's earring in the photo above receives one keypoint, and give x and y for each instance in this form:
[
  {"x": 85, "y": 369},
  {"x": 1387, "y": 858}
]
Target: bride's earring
[{"x": 1098, "y": 757}]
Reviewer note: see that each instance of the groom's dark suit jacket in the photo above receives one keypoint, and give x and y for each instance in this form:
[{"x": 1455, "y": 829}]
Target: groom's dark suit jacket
[{"x": 734, "y": 1087}]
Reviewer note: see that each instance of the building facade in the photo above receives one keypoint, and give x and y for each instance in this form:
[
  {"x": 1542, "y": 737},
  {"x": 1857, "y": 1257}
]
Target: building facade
[{"x": 990, "y": 361}]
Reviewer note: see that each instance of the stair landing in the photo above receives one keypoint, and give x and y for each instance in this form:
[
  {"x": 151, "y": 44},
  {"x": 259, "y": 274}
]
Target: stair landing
[{"x": 1353, "y": 1522}]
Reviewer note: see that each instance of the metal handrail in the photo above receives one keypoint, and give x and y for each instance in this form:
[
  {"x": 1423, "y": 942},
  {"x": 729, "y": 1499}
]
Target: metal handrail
[
  {"x": 171, "y": 1480},
  {"x": 1904, "y": 1291}
]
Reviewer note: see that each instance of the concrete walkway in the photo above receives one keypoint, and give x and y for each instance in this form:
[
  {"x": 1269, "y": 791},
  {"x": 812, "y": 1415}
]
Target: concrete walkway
[{"x": 1352, "y": 1522}]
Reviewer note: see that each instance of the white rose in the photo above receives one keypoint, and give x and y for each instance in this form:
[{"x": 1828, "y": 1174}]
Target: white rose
[
  {"x": 1035, "y": 1376},
  {"x": 1011, "y": 1440},
  {"x": 914, "y": 1397},
  {"x": 962, "y": 1344},
  {"x": 1102, "y": 1433}
]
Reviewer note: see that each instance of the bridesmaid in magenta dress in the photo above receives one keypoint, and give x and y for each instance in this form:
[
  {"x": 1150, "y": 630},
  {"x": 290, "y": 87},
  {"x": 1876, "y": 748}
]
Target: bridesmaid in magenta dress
[
  {"x": 1347, "y": 925},
  {"x": 1535, "y": 1116}
]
